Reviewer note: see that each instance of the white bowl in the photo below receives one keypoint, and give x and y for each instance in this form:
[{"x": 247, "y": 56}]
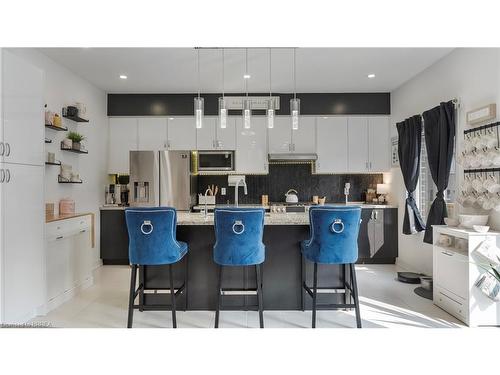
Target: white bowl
[
  {"x": 481, "y": 228},
  {"x": 467, "y": 221},
  {"x": 451, "y": 222}
]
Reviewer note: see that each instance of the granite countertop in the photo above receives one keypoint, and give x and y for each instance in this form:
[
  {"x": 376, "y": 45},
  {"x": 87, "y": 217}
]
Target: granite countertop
[{"x": 194, "y": 218}]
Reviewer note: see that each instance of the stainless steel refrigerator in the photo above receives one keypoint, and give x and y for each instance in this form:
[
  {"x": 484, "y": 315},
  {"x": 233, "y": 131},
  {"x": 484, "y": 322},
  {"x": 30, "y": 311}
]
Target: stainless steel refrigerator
[{"x": 160, "y": 179}]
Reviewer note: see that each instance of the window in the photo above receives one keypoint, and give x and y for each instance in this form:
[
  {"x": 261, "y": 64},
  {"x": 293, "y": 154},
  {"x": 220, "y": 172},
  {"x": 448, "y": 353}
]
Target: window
[{"x": 427, "y": 190}]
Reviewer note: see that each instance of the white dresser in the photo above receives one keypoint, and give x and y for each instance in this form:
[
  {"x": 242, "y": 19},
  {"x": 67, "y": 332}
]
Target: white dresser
[{"x": 455, "y": 272}]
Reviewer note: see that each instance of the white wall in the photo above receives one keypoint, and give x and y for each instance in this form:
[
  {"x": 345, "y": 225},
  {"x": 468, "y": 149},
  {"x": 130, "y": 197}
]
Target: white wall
[
  {"x": 63, "y": 88},
  {"x": 472, "y": 76}
]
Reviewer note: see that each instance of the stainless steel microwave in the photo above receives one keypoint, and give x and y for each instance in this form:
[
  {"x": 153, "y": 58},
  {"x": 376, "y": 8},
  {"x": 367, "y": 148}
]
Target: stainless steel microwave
[{"x": 215, "y": 161}]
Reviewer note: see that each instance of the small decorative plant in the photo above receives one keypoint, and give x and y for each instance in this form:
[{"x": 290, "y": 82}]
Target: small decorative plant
[{"x": 75, "y": 138}]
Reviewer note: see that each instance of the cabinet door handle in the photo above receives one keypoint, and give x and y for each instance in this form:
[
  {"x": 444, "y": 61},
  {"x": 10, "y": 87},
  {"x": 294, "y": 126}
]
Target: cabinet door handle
[
  {"x": 59, "y": 237},
  {"x": 370, "y": 165},
  {"x": 168, "y": 144},
  {"x": 2, "y": 148},
  {"x": 7, "y": 149},
  {"x": 366, "y": 165},
  {"x": 7, "y": 175},
  {"x": 83, "y": 230},
  {"x": 2, "y": 175},
  {"x": 446, "y": 253}
]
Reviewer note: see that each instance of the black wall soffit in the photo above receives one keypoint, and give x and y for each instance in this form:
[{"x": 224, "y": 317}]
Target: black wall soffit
[{"x": 310, "y": 104}]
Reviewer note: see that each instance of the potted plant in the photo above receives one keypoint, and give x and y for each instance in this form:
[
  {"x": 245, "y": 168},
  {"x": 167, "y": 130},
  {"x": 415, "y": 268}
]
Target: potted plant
[{"x": 76, "y": 139}]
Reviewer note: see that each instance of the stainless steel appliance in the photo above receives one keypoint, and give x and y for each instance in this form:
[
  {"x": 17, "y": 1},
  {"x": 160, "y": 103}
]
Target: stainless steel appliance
[
  {"x": 160, "y": 179},
  {"x": 215, "y": 161}
]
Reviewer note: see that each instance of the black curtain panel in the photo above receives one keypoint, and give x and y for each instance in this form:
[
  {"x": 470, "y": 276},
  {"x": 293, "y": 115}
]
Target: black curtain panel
[
  {"x": 409, "y": 144},
  {"x": 439, "y": 128}
]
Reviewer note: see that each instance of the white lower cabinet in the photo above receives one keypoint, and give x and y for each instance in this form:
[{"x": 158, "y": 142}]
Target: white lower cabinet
[
  {"x": 331, "y": 145},
  {"x": 21, "y": 247},
  {"x": 69, "y": 258},
  {"x": 251, "y": 146},
  {"x": 456, "y": 269}
]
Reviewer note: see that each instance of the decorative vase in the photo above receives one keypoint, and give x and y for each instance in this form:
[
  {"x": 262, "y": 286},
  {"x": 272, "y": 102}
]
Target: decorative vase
[
  {"x": 67, "y": 143},
  {"x": 76, "y": 146}
]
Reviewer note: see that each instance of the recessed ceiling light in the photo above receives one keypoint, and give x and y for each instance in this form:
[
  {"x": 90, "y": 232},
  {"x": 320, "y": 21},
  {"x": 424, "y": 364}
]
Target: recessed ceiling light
[
  {"x": 123, "y": 76},
  {"x": 371, "y": 75},
  {"x": 246, "y": 76}
]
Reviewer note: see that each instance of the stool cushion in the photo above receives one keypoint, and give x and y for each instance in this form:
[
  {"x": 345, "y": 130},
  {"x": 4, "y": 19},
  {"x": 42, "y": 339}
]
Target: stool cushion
[
  {"x": 152, "y": 236},
  {"x": 334, "y": 235},
  {"x": 238, "y": 236}
]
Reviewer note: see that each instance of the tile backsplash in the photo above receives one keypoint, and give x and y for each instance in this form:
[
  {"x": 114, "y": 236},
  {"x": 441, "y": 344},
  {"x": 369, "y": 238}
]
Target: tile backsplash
[{"x": 283, "y": 177}]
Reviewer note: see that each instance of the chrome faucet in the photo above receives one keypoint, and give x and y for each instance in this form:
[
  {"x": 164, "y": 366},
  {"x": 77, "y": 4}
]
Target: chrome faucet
[
  {"x": 347, "y": 186},
  {"x": 236, "y": 186},
  {"x": 206, "y": 209}
]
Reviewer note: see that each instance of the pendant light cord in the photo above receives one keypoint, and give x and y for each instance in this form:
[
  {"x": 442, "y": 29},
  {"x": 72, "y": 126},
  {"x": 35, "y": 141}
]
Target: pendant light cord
[
  {"x": 246, "y": 70},
  {"x": 294, "y": 74},
  {"x": 270, "y": 74},
  {"x": 198, "y": 58},
  {"x": 223, "y": 73}
]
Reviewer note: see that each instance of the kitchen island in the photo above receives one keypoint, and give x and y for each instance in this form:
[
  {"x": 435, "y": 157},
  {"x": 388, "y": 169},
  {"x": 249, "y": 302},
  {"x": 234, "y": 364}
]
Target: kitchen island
[{"x": 282, "y": 268}]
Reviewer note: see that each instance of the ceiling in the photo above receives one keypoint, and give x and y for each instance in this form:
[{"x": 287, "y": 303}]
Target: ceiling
[{"x": 174, "y": 70}]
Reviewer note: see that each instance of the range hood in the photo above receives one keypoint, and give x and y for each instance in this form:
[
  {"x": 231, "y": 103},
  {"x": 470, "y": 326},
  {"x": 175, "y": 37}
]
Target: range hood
[{"x": 292, "y": 157}]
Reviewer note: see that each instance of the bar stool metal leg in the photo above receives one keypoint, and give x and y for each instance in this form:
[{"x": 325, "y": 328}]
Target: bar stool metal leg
[
  {"x": 259, "y": 294},
  {"x": 315, "y": 292},
  {"x": 302, "y": 281},
  {"x": 186, "y": 283},
  {"x": 141, "y": 288},
  {"x": 133, "y": 276},
  {"x": 219, "y": 291},
  {"x": 172, "y": 296},
  {"x": 356, "y": 295}
]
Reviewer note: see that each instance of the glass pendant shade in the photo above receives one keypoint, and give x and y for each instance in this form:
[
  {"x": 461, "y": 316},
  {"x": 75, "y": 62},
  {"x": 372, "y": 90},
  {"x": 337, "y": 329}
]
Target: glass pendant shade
[
  {"x": 198, "y": 111},
  {"x": 295, "y": 112},
  {"x": 247, "y": 113},
  {"x": 222, "y": 113},
  {"x": 270, "y": 114}
]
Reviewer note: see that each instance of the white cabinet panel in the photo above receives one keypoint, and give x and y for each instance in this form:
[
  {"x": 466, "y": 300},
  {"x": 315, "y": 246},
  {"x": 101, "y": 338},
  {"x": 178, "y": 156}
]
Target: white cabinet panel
[
  {"x": 303, "y": 138},
  {"x": 251, "y": 146},
  {"x": 122, "y": 140},
  {"x": 226, "y": 138},
  {"x": 280, "y": 136},
  {"x": 331, "y": 145},
  {"x": 181, "y": 133},
  {"x": 23, "y": 111},
  {"x": 378, "y": 131},
  {"x": 152, "y": 134},
  {"x": 206, "y": 136},
  {"x": 357, "y": 130},
  {"x": 22, "y": 241}
]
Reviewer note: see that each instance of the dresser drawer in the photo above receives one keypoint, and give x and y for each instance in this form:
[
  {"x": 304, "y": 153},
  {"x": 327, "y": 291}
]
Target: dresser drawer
[
  {"x": 61, "y": 229},
  {"x": 451, "y": 303}
]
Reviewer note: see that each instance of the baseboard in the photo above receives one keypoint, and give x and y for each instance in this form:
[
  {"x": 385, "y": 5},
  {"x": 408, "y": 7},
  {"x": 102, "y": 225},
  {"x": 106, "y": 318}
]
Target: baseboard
[{"x": 67, "y": 295}]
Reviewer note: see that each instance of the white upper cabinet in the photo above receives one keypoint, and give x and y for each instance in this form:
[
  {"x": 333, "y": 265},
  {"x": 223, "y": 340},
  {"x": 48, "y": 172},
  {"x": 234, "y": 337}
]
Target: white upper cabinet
[
  {"x": 331, "y": 145},
  {"x": 280, "y": 136},
  {"x": 226, "y": 138},
  {"x": 303, "y": 139},
  {"x": 206, "y": 137},
  {"x": 22, "y": 111},
  {"x": 152, "y": 133},
  {"x": 181, "y": 133},
  {"x": 283, "y": 139},
  {"x": 122, "y": 140},
  {"x": 357, "y": 130},
  {"x": 378, "y": 131},
  {"x": 251, "y": 146}
]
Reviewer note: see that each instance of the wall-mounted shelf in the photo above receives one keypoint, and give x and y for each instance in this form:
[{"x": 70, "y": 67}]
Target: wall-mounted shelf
[
  {"x": 76, "y": 119},
  {"x": 58, "y": 128},
  {"x": 64, "y": 181},
  {"x": 49, "y": 163},
  {"x": 48, "y": 140},
  {"x": 73, "y": 150}
]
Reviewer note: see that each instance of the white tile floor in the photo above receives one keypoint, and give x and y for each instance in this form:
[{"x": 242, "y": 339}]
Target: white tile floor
[{"x": 385, "y": 302}]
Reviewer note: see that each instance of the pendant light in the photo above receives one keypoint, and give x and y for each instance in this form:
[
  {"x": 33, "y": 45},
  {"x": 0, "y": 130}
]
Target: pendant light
[
  {"x": 222, "y": 101},
  {"x": 295, "y": 103},
  {"x": 198, "y": 101},
  {"x": 270, "y": 103},
  {"x": 247, "y": 104}
]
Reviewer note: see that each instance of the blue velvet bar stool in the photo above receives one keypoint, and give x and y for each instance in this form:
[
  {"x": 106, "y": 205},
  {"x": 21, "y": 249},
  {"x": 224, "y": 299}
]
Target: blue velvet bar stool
[
  {"x": 334, "y": 240},
  {"x": 238, "y": 242},
  {"x": 152, "y": 241}
]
